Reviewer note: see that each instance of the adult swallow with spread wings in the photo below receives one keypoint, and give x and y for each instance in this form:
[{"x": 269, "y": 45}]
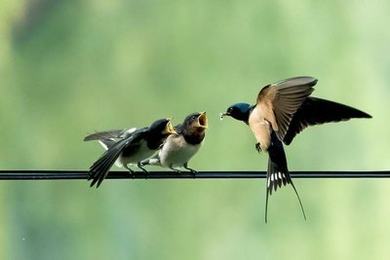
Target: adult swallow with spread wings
[
  {"x": 283, "y": 110},
  {"x": 129, "y": 146}
]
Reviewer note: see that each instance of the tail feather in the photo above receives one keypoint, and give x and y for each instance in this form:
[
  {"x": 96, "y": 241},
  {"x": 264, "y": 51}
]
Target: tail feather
[
  {"x": 277, "y": 173},
  {"x": 99, "y": 170}
]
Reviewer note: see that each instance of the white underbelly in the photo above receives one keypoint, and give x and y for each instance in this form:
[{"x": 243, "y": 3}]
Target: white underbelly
[{"x": 177, "y": 152}]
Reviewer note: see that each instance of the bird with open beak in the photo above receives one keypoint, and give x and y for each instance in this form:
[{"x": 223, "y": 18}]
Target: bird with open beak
[
  {"x": 179, "y": 148},
  {"x": 129, "y": 146},
  {"x": 283, "y": 110}
]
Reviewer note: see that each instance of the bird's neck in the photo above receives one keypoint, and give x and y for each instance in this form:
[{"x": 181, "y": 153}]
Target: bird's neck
[
  {"x": 194, "y": 137},
  {"x": 245, "y": 115}
]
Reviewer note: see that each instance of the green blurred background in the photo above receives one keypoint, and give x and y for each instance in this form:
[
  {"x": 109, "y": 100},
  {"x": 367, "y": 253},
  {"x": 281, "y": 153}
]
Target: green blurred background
[{"x": 68, "y": 68}]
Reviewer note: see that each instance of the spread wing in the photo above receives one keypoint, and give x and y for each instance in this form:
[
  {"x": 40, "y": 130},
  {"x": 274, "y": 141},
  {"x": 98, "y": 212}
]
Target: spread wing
[
  {"x": 318, "y": 111},
  {"x": 110, "y": 134},
  {"x": 280, "y": 101},
  {"x": 99, "y": 170}
]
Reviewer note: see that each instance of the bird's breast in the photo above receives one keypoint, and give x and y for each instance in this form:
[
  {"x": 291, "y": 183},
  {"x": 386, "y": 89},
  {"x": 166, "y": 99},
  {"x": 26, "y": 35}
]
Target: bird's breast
[
  {"x": 261, "y": 128},
  {"x": 176, "y": 151}
]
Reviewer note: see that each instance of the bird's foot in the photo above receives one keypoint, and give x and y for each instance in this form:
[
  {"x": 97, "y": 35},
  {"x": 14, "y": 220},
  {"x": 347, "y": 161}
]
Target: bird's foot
[
  {"x": 132, "y": 174},
  {"x": 174, "y": 169},
  {"x": 140, "y": 166},
  {"x": 258, "y": 147},
  {"x": 192, "y": 171}
]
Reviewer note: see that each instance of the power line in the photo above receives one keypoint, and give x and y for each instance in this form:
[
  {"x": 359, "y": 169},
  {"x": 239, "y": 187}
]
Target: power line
[{"x": 83, "y": 174}]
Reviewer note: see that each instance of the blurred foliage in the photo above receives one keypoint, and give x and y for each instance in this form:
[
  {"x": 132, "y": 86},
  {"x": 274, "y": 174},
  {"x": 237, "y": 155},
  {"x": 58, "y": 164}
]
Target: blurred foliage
[{"x": 68, "y": 68}]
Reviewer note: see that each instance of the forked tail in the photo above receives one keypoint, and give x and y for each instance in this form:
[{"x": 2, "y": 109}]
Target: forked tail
[{"x": 277, "y": 173}]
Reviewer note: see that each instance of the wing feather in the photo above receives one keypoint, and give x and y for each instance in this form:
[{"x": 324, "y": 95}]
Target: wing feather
[
  {"x": 99, "y": 170},
  {"x": 316, "y": 111},
  {"x": 281, "y": 100},
  {"x": 104, "y": 135},
  {"x": 110, "y": 134}
]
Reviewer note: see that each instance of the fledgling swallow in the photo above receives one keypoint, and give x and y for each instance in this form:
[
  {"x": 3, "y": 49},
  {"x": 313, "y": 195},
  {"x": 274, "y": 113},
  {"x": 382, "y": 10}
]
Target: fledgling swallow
[
  {"x": 179, "y": 148},
  {"x": 129, "y": 146},
  {"x": 283, "y": 110}
]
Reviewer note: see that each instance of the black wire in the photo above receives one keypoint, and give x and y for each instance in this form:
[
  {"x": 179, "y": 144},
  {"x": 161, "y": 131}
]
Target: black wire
[{"x": 82, "y": 174}]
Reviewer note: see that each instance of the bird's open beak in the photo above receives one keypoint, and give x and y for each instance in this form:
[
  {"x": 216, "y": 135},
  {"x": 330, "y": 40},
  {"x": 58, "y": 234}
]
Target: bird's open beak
[
  {"x": 169, "y": 129},
  {"x": 202, "y": 120},
  {"x": 222, "y": 115}
]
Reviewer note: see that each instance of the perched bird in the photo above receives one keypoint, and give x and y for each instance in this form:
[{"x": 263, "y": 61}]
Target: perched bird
[
  {"x": 283, "y": 110},
  {"x": 129, "y": 146},
  {"x": 179, "y": 148}
]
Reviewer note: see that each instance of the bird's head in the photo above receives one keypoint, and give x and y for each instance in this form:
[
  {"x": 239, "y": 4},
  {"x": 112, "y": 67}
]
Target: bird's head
[
  {"x": 239, "y": 111},
  {"x": 194, "y": 127},
  {"x": 196, "y": 122},
  {"x": 162, "y": 127}
]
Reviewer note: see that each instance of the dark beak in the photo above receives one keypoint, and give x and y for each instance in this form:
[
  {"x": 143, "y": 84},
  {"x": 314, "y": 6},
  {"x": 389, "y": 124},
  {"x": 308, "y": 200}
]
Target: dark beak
[{"x": 222, "y": 115}]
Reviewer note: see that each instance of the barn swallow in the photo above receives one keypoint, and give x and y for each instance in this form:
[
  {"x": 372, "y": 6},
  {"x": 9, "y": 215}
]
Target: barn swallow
[
  {"x": 179, "y": 148},
  {"x": 283, "y": 110},
  {"x": 129, "y": 146}
]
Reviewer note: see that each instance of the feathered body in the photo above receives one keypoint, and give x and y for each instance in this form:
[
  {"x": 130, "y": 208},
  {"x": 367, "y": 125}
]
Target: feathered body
[
  {"x": 283, "y": 110},
  {"x": 129, "y": 146},
  {"x": 179, "y": 148}
]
